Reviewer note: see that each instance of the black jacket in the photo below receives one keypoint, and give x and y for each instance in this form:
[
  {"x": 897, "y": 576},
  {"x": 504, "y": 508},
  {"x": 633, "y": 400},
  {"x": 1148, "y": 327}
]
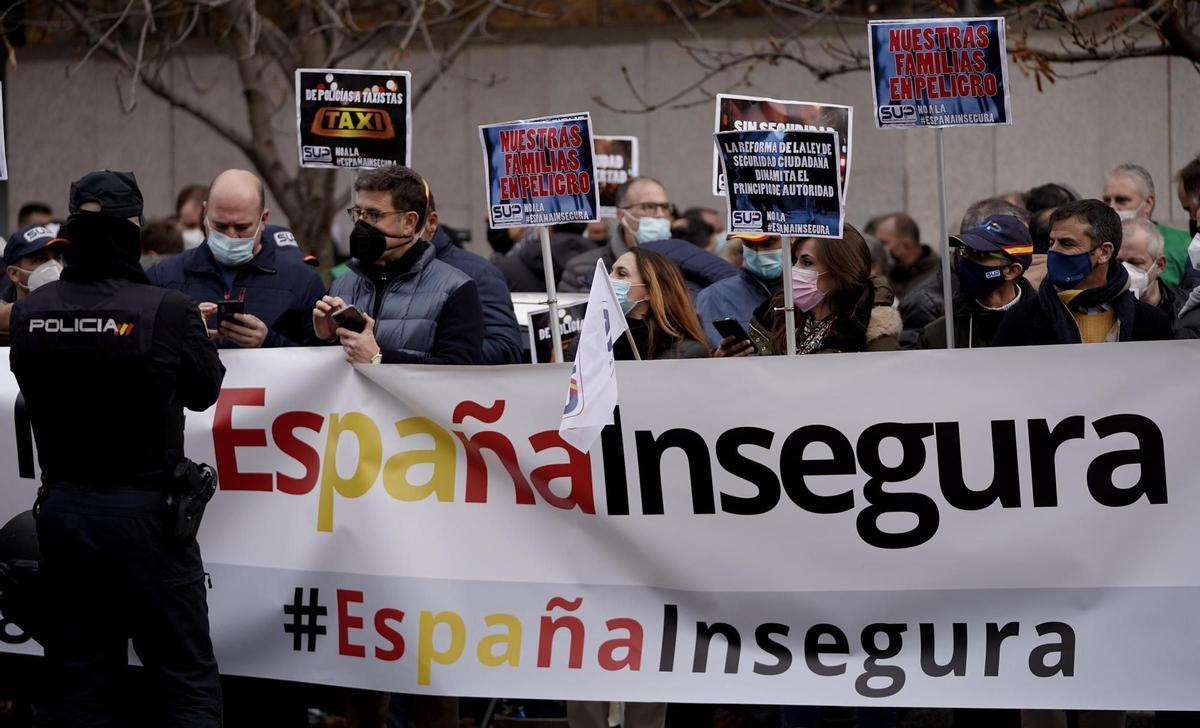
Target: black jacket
[
  {"x": 501, "y": 333},
  {"x": 974, "y": 326},
  {"x": 1037, "y": 321},
  {"x": 106, "y": 368},
  {"x": 277, "y": 287},
  {"x": 923, "y": 304},
  {"x": 522, "y": 266}
]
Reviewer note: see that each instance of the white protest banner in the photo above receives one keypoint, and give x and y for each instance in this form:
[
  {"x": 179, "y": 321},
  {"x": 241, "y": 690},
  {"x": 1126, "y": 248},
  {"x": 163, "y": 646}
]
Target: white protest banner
[
  {"x": 353, "y": 119},
  {"x": 990, "y": 528}
]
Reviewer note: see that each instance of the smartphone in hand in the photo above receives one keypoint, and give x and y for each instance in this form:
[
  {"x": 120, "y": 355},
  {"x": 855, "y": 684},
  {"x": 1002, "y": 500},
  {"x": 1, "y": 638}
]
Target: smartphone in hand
[
  {"x": 349, "y": 318},
  {"x": 227, "y": 309},
  {"x": 728, "y": 327}
]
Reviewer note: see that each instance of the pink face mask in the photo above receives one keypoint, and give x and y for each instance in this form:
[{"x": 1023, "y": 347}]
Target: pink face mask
[{"x": 804, "y": 288}]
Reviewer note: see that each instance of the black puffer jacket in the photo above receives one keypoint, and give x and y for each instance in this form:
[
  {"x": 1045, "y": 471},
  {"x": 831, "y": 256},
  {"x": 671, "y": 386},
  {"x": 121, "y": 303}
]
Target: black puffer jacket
[{"x": 522, "y": 266}]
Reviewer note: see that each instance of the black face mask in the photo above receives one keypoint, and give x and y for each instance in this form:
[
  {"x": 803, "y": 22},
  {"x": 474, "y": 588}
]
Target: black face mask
[
  {"x": 1193, "y": 227},
  {"x": 368, "y": 243}
]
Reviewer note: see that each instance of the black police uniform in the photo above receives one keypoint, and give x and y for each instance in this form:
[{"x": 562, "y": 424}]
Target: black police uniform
[{"x": 106, "y": 364}]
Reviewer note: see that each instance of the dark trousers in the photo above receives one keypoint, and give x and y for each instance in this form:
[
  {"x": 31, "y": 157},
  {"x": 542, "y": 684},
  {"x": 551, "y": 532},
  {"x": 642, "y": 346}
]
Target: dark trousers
[{"x": 112, "y": 575}]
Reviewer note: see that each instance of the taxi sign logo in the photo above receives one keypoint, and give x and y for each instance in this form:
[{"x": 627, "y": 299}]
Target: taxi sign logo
[{"x": 352, "y": 123}]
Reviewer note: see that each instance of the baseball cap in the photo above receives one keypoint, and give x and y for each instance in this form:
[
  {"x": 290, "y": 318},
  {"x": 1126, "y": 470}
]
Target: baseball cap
[
  {"x": 27, "y": 241},
  {"x": 1003, "y": 234},
  {"x": 117, "y": 193}
]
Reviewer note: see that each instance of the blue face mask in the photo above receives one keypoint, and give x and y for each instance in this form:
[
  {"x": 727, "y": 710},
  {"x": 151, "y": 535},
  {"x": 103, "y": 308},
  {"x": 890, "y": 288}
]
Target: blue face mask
[
  {"x": 231, "y": 251},
  {"x": 766, "y": 264},
  {"x": 1066, "y": 271},
  {"x": 978, "y": 280},
  {"x": 650, "y": 229},
  {"x": 621, "y": 289}
]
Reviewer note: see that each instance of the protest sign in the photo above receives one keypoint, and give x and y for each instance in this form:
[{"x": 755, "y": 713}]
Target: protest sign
[
  {"x": 539, "y": 171},
  {"x": 353, "y": 118},
  {"x": 939, "y": 73},
  {"x": 616, "y": 163},
  {"x": 752, "y": 113},
  {"x": 782, "y": 182},
  {"x": 730, "y": 539},
  {"x": 570, "y": 319}
]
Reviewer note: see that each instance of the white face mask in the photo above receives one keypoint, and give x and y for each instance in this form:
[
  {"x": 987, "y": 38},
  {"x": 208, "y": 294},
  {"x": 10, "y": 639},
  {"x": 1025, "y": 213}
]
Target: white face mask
[
  {"x": 1138, "y": 279},
  {"x": 192, "y": 238},
  {"x": 1194, "y": 251},
  {"x": 47, "y": 272},
  {"x": 1126, "y": 214}
]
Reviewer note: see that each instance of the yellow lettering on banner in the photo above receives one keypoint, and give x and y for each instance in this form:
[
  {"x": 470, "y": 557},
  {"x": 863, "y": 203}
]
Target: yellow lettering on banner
[
  {"x": 370, "y": 458},
  {"x": 442, "y": 457},
  {"x": 510, "y": 640},
  {"x": 426, "y": 654}
]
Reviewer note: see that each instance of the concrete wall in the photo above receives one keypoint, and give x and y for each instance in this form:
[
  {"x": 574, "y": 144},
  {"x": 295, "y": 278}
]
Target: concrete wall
[{"x": 1145, "y": 111}]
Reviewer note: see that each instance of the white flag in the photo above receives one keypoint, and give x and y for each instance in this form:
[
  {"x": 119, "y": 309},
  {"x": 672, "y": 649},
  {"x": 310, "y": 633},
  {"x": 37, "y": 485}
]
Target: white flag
[{"x": 592, "y": 392}]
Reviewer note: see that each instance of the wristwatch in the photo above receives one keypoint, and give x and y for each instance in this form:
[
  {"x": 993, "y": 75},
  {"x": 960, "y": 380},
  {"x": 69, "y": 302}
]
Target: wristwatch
[{"x": 378, "y": 357}]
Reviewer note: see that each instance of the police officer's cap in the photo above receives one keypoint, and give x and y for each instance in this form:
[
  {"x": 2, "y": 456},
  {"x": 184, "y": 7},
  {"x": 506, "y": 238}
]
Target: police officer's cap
[{"x": 117, "y": 193}]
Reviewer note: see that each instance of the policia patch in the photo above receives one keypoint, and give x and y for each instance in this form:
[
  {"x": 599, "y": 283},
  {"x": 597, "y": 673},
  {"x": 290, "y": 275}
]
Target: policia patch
[{"x": 93, "y": 329}]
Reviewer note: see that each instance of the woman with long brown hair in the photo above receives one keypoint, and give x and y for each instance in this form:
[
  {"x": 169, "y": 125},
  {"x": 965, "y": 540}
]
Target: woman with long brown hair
[
  {"x": 839, "y": 305},
  {"x": 658, "y": 309}
]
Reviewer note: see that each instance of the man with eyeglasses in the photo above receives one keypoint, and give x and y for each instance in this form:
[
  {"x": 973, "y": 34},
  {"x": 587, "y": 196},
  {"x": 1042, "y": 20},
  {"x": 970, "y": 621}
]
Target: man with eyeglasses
[
  {"x": 240, "y": 262},
  {"x": 417, "y": 309},
  {"x": 644, "y": 217},
  {"x": 990, "y": 259}
]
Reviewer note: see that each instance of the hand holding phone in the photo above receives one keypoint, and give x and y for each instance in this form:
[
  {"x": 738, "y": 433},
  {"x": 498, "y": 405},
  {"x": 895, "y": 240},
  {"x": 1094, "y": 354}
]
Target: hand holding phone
[
  {"x": 731, "y": 329},
  {"x": 349, "y": 318},
  {"x": 227, "y": 309}
]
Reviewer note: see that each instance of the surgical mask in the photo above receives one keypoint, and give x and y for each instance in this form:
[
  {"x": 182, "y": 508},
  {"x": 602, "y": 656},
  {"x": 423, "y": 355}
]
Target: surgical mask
[
  {"x": 1126, "y": 214},
  {"x": 978, "y": 280},
  {"x": 765, "y": 264},
  {"x": 229, "y": 251},
  {"x": 621, "y": 290},
  {"x": 650, "y": 228},
  {"x": 192, "y": 238},
  {"x": 368, "y": 243},
  {"x": 1066, "y": 271},
  {"x": 47, "y": 272},
  {"x": 805, "y": 293},
  {"x": 1139, "y": 280},
  {"x": 1194, "y": 249}
]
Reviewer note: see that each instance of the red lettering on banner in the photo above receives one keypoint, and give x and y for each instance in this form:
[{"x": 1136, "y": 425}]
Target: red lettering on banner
[
  {"x": 347, "y": 622},
  {"x": 226, "y": 440},
  {"x": 283, "y": 433},
  {"x": 550, "y": 626},
  {"x": 631, "y": 644},
  {"x": 393, "y": 636}
]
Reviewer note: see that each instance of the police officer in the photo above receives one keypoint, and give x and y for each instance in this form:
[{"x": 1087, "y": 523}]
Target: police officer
[{"x": 106, "y": 364}]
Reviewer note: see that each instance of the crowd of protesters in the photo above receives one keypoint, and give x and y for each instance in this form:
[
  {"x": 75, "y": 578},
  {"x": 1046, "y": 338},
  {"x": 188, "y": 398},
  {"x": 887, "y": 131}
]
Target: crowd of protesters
[{"x": 1045, "y": 266}]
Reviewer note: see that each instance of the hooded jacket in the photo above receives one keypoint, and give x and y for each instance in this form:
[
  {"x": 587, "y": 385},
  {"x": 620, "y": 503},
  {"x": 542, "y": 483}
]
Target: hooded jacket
[{"x": 501, "y": 333}]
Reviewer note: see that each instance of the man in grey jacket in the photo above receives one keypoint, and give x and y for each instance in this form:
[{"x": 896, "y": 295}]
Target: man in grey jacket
[{"x": 418, "y": 310}]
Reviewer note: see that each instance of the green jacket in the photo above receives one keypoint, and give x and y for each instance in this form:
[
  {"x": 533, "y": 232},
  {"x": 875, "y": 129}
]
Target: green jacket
[{"x": 1175, "y": 245}]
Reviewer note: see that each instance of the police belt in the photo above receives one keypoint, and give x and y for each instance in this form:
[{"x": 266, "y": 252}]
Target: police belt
[{"x": 157, "y": 480}]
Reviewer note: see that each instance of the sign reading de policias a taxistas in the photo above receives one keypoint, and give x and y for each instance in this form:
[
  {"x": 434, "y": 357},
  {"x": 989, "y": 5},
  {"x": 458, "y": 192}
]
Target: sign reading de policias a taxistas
[{"x": 353, "y": 118}]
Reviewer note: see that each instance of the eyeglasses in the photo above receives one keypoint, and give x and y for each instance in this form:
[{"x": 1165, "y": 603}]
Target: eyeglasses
[
  {"x": 371, "y": 216},
  {"x": 649, "y": 208}
]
